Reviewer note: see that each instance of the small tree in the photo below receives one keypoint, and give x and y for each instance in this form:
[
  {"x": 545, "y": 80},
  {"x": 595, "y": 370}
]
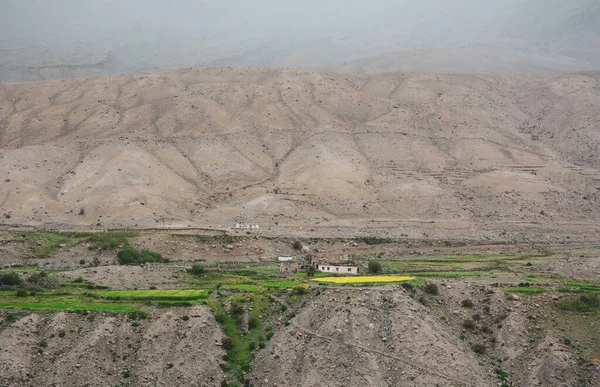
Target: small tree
[
  {"x": 374, "y": 267},
  {"x": 197, "y": 269},
  {"x": 297, "y": 245},
  {"x": 431, "y": 288},
  {"x": 10, "y": 279}
]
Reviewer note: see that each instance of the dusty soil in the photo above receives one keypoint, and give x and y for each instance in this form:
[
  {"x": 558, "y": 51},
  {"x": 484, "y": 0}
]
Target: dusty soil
[
  {"x": 305, "y": 153},
  {"x": 98, "y": 350},
  {"x": 377, "y": 337}
]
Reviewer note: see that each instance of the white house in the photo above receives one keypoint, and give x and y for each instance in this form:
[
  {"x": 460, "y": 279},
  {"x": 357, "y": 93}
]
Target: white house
[{"x": 337, "y": 269}]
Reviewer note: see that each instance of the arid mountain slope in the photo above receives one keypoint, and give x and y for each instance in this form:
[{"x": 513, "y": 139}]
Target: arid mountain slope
[
  {"x": 358, "y": 338},
  {"x": 46, "y": 349},
  {"x": 408, "y": 153}
]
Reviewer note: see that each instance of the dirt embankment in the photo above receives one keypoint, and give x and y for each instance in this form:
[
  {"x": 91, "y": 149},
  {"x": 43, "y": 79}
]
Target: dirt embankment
[
  {"x": 367, "y": 338},
  {"x": 68, "y": 349}
]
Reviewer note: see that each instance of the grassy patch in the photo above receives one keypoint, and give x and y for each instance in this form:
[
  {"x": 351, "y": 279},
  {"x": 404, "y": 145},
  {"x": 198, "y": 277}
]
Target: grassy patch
[
  {"x": 61, "y": 303},
  {"x": 365, "y": 279},
  {"x": 47, "y": 244},
  {"x": 583, "y": 303},
  {"x": 280, "y": 284},
  {"x": 105, "y": 240},
  {"x": 445, "y": 273},
  {"x": 149, "y": 295},
  {"x": 246, "y": 287},
  {"x": 525, "y": 290}
]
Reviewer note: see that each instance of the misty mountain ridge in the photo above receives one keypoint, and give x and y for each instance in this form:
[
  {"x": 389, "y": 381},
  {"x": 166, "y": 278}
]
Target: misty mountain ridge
[{"x": 508, "y": 37}]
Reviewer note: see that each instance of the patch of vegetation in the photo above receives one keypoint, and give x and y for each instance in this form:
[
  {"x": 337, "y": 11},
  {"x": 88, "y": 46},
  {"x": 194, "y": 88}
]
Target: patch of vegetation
[
  {"x": 431, "y": 288},
  {"x": 10, "y": 279},
  {"x": 525, "y": 290},
  {"x": 197, "y": 269},
  {"x": 128, "y": 255},
  {"x": 47, "y": 244},
  {"x": 106, "y": 240},
  {"x": 375, "y": 267},
  {"x": 583, "y": 303},
  {"x": 467, "y": 303},
  {"x": 502, "y": 375},
  {"x": 150, "y": 295},
  {"x": 478, "y": 348},
  {"x": 373, "y": 241}
]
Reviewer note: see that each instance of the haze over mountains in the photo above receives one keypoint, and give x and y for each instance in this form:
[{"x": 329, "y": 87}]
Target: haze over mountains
[
  {"x": 432, "y": 155},
  {"x": 64, "y": 39}
]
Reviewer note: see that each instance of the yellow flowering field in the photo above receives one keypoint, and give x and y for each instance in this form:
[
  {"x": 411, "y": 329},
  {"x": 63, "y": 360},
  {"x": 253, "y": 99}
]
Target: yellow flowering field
[{"x": 365, "y": 279}]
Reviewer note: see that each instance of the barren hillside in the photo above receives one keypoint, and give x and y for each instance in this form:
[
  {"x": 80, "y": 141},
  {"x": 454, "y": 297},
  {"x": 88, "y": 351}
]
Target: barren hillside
[
  {"x": 404, "y": 153},
  {"x": 66, "y": 349}
]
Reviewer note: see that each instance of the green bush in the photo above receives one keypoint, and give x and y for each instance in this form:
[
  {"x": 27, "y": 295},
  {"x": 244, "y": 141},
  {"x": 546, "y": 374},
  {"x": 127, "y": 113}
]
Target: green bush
[
  {"x": 185, "y": 318},
  {"x": 197, "y": 269},
  {"x": 583, "y": 303},
  {"x": 431, "y": 288},
  {"x": 467, "y": 303},
  {"x": 62, "y": 333},
  {"x": 374, "y": 267},
  {"x": 469, "y": 324},
  {"x": 128, "y": 255},
  {"x": 252, "y": 322},
  {"x": 21, "y": 293},
  {"x": 10, "y": 279},
  {"x": 478, "y": 348}
]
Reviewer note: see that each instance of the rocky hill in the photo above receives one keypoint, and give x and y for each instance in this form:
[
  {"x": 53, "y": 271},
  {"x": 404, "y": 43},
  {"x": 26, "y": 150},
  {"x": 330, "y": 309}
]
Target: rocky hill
[
  {"x": 444, "y": 156},
  {"x": 67, "y": 349}
]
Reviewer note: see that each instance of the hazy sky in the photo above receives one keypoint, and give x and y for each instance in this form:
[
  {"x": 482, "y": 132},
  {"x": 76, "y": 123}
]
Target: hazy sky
[
  {"x": 138, "y": 35},
  {"x": 135, "y": 19}
]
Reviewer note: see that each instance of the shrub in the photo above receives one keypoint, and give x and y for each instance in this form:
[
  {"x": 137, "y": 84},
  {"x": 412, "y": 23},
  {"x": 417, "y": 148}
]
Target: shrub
[
  {"x": 407, "y": 286},
  {"x": 21, "y": 293},
  {"x": 82, "y": 261},
  {"x": 252, "y": 346},
  {"x": 297, "y": 245},
  {"x": 583, "y": 303},
  {"x": 467, "y": 303},
  {"x": 227, "y": 343},
  {"x": 138, "y": 315},
  {"x": 567, "y": 341},
  {"x": 10, "y": 279},
  {"x": 300, "y": 289},
  {"x": 431, "y": 288},
  {"x": 478, "y": 348},
  {"x": 11, "y": 318},
  {"x": 469, "y": 324},
  {"x": 78, "y": 280},
  {"x": 310, "y": 271},
  {"x": 128, "y": 255},
  {"x": 252, "y": 322},
  {"x": 284, "y": 307},
  {"x": 185, "y": 318},
  {"x": 197, "y": 269},
  {"x": 61, "y": 333},
  {"x": 374, "y": 267},
  {"x": 269, "y": 335}
]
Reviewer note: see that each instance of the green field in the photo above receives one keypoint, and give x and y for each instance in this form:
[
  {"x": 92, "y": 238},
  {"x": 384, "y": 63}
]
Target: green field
[
  {"x": 281, "y": 284},
  {"x": 249, "y": 288},
  {"x": 148, "y": 295},
  {"x": 68, "y": 303}
]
